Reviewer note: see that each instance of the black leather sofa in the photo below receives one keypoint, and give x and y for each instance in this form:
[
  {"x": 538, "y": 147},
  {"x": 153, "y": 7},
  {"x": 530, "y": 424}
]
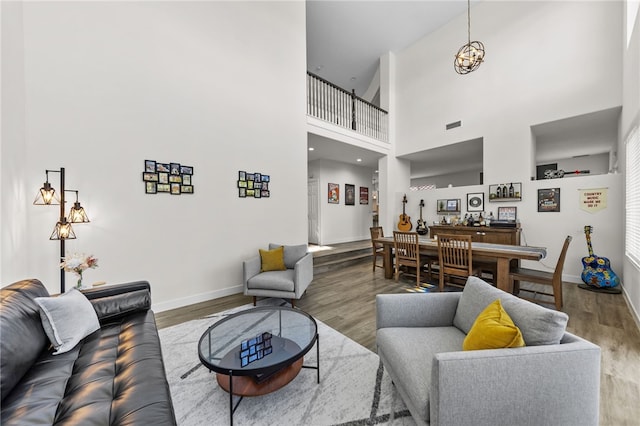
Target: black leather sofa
[{"x": 114, "y": 376}]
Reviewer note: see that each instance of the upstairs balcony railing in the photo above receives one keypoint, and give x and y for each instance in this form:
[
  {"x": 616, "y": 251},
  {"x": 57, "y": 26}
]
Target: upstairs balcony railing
[{"x": 331, "y": 103}]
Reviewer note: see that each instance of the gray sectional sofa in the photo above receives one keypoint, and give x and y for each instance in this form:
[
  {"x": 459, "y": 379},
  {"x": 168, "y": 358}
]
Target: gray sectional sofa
[{"x": 553, "y": 380}]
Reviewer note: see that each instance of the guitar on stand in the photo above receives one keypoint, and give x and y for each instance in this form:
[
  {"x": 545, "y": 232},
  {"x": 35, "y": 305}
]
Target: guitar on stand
[
  {"x": 597, "y": 274},
  {"x": 421, "y": 229},
  {"x": 405, "y": 221}
]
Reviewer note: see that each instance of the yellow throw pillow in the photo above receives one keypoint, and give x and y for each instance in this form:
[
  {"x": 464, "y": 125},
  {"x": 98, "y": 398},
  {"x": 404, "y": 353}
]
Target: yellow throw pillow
[
  {"x": 493, "y": 329},
  {"x": 272, "y": 260}
]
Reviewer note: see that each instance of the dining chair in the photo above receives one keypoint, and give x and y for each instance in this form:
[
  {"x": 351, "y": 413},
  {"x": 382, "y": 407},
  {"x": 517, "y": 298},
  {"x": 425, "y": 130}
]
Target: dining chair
[
  {"x": 407, "y": 253},
  {"x": 378, "y": 249},
  {"x": 455, "y": 258},
  {"x": 542, "y": 277}
]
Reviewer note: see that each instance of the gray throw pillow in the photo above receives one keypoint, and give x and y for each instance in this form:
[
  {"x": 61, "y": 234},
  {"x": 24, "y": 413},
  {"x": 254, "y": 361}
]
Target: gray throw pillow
[
  {"x": 291, "y": 253},
  {"x": 67, "y": 319},
  {"x": 539, "y": 325}
]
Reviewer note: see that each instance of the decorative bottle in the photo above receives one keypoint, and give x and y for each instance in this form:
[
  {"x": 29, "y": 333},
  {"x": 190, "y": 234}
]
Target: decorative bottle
[
  {"x": 511, "y": 191},
  {"x": 504, "y": 191},
  {"x": 498, "y": 192}
]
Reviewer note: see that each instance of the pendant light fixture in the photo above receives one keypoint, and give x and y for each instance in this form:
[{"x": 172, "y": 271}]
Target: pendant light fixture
[{"x": 471, "y": 55}]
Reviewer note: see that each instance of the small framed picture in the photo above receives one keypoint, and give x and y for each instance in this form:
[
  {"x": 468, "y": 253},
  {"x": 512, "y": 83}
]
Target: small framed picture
[
  {"x": 265, "y": 185},
  {"x": 334, "y": 193},
  {"x": 186, "y": 189},
  {"x": 175, "y": 179},
  {"x": 364, "y": 195},
  {"x": 150, "y": 188},
  {"x": 186, "y": 170},
  {"x": 150, "y": 166},
  {"x": 149, "y": 177},
  {"x": 549, "y": 200},
  {"x": 175, "y": 168},
  {"x": 265, "y": 194},
  {"x": 250, "y": 184},
  {"x": 257, "y": 185},
  {"x": 175, "y": 188},
  {"x": 163, "y": 187},
  {"x": 249, "y": 176},
  {"x": 242, "y": 184},
  {"x": 251, "y": 193},
  {"x": 349, "y": 194},
  {"x": 265, "y": 178},
  {"x": 242, "y": 192},
  {"x": 508, "y": 213},
  {"x": 475, "y": 202},
  {"x": 163, "y": 177},
  {"x": 163, "y": 167},
  {"x": 257, "y": 177},
  {"x": 257, "y": 193},
  {"x": 186, "y": 179},
  {"x": 242, "y": 175}
]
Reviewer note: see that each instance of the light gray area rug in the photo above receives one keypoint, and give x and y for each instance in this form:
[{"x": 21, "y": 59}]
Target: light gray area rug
[{"x": 353, "y": 389}]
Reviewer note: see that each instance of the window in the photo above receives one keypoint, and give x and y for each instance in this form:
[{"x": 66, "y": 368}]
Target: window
[{"x": 632, "y": 248}]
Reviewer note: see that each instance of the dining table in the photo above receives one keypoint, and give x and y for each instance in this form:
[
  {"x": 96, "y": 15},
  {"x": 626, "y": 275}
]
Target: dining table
[{"x": 502, "y": 254}]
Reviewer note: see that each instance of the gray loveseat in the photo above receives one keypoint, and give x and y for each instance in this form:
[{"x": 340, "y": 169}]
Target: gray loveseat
[
  {"x": 553, "y": 380},
  {"x": 288, "y": 284}
]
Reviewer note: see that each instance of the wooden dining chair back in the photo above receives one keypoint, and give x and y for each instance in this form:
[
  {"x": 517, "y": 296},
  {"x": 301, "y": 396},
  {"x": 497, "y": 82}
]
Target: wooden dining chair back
[
  {"x": 455, "y": 258},
  {"x": 554, "y": 280},
  {"x": 378, "y": 249},
  {"x": 407, "y": 253}
]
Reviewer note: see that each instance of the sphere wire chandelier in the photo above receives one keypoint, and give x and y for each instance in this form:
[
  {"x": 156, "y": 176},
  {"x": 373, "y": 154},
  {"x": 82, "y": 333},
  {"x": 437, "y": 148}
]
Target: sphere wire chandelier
[{"x": 471, "y": 55}]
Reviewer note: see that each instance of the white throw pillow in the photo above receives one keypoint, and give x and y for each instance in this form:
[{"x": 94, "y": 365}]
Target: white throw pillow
[{"x": 67, "y": 319}]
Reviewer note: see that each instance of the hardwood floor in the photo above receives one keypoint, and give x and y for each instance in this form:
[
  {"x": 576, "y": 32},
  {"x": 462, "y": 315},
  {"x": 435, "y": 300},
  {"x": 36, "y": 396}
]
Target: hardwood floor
[{"x": 344, "y": 299}]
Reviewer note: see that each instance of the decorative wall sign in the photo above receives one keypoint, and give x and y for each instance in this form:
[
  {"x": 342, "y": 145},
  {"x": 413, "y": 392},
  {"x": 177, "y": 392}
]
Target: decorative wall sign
[
  {"x": 169, "y": 178},
  {"x": 364, "y": 195},
  {"x": 253, "y": 185},
  {"x": 449, "y": 206},
  {"x": 475, "y": 202},
  {"x": 593, "y": 200},
  {"x": 349, "y": 194},
  {"x": 549, "y": 200},
  {"x": 333, "y": 193},
  {"x": 508, "y": 213}
]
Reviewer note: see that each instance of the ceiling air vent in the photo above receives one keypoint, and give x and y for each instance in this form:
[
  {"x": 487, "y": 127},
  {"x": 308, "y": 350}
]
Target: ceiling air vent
[{"x": 454, "y": 125}]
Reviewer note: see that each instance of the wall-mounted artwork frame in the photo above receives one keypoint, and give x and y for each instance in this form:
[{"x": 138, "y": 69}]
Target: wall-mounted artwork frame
[
  {"x": 508, "y": 213},
  {"x": 549, "y": 200},
  {"x": 167, "y": 178},
  {"x": 333, "y": 193},
  {"x": 364, "y": 195},
  {"x": 495, "y": 196},
  {"x": 349, "y": 194},
  {"x": 475, "y": 202},
  {"x": 448, "y": 206},
  {"x": 250, "y": 185}
]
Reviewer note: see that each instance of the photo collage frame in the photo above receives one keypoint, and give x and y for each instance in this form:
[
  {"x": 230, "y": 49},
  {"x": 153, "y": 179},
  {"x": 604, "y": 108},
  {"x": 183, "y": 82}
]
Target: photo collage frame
[
  {"x": 169, "y": 178},
  {"x": 253, "y": 185}
]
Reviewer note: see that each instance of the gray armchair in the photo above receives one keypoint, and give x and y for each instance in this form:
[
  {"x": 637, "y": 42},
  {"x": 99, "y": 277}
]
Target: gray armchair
[
  {"x": 553, "y": 380},
  {"x": 289, "y": 284}
]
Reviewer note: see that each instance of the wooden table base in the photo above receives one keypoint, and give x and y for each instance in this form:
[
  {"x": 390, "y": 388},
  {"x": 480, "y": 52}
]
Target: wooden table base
[{"x": 247, "y": 386}]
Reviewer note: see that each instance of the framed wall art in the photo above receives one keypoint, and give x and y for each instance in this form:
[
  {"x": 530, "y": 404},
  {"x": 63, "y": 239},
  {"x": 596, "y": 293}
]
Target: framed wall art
[
  {"x": 475, "y": 202},
  {"x": 364, "y": 195},
  {"x": 333, "y": 193},
  {"x": 449, "y": 206},
  {"x": 168, "y": 178},
  {"x": 349, "y": 194},
  {"x": 508, "y": 213},
  {"x": 250, "y": 185},
  {"x": 549, "y": 200}
]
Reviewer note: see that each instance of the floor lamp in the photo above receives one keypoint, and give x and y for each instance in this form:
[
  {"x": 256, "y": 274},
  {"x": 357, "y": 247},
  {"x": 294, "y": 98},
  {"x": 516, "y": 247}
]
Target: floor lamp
[{"x": 63, "y": 231}]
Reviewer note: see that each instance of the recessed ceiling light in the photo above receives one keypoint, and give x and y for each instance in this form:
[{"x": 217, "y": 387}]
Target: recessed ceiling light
[
  {"x": 359, "y": 160},
  {"x": 311, "y": 148}
]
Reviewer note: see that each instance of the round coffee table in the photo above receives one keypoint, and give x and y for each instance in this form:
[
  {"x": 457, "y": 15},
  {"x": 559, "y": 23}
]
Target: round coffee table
[{"x": 259, "y": 350}]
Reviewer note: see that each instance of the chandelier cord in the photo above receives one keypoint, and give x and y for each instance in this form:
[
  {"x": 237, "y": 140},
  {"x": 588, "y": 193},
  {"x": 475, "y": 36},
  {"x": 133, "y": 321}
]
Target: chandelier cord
[{"x": 469, "y": 22}]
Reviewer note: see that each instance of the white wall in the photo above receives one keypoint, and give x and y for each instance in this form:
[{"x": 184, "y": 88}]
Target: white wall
[
  {"x": 219, "y": 86},
  {"x": 340, "y": 223}
]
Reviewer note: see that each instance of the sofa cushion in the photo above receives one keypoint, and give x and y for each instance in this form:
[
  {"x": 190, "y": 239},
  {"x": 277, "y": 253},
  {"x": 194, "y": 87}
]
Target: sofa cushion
[
  {"x": 22, "y": 336},
  {"x": 407, "y": 353},
  {"x": 272, "y": 260},
  {"x": 273, "y": 280},
  {"x": 539, "y": 325},
  {"x": 67, "y": 319},
  {"x": 493, "y": 329},
  {"x": 291, "y": 253}
]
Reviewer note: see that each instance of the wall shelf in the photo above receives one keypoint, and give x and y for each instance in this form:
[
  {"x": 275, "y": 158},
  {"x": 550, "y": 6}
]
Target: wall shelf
[{"x": 495, "y": 197}]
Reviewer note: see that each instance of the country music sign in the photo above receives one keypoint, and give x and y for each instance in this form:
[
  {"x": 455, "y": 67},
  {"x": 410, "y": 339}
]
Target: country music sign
[{"x": 593, "y": 200}]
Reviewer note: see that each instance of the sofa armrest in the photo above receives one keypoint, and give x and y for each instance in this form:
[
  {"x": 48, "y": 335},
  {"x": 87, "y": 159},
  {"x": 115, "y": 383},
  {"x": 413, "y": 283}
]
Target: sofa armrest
[
  {"x": 549, "y": 384},
  {"x": 303, "y": 274},
  {"x": 250, "y": 268},
  {"x": 116, "y": 301},
  {"x": 416, "y": 310}
]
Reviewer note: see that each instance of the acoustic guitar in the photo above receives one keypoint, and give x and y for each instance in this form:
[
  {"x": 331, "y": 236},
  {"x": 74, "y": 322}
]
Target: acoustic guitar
[
  {"x": 597, "y": 271},
  {"x": 405, "y": 221},
  {"x": 555, "y": 174},
  {"x": 421, "y": 229}
]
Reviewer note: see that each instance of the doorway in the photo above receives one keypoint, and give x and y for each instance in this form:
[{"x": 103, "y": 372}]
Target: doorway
[{"x": 313, "y": 213}]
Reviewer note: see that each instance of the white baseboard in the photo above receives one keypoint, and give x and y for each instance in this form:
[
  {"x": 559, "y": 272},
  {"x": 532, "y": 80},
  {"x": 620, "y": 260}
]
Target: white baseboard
[{"x": 196, "y": 298}]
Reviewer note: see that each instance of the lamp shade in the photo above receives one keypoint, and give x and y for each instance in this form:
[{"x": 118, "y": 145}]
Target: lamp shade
[
  {"x": 77, "y": 214},
  {"x": 46, "y": 196},
  {"x": 63, "y": 231}
]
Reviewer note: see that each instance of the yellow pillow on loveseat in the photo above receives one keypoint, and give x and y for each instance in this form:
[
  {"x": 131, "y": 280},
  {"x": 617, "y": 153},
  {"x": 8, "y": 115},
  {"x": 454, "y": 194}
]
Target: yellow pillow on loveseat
[
  {"x": 493, "y": 329},
  {"x": 272, "y": 260}
]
